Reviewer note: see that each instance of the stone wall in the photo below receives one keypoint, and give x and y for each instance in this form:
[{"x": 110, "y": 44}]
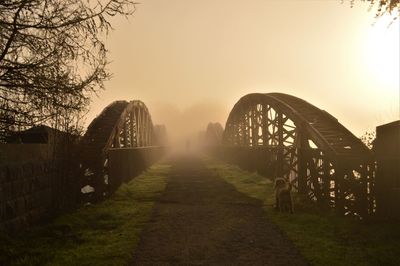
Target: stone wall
[
  {"x": 33, "y": 185},
  {"x": 25, "y": 194},
  {"x": 37, "y": 183}
]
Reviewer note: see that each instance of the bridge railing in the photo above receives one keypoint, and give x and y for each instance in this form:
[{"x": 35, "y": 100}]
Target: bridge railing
[
  {"x": 119, "y": 165},
  {"x": 126, "y": 163},
  {"x": 257, "y": 159},
  {"x": 347, "y": 186}
]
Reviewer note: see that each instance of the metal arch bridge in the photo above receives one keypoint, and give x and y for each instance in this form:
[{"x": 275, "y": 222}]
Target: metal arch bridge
[
  {"x": 283, "y": 135},
  {"x": 119, "y": 143},
  {"x": 277, "y": 133}
]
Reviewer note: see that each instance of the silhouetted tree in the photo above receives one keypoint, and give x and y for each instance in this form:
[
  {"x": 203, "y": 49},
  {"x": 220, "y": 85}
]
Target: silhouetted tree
[
  {"x": 52, "y": 57},
  {"x": 384, "y": 7}
]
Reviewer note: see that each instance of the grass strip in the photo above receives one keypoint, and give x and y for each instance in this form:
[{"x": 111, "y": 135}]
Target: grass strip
[
  {"x": 101, "y": 234},
  {"x": 322, "y": 237}
]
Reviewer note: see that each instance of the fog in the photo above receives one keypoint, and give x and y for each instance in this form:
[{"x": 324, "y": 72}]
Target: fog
[
  {"x": 184, "y": 124},
  {"x": 191, "y": 61}
]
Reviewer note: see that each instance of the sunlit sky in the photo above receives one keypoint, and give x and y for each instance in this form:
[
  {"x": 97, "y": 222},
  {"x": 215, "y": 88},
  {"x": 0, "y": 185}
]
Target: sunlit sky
[{"x": 190, "y": 61}]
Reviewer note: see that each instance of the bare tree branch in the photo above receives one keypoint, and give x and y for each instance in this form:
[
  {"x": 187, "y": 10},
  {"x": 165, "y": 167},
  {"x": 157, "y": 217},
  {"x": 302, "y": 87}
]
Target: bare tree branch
[{"x": 52, "y": 58}]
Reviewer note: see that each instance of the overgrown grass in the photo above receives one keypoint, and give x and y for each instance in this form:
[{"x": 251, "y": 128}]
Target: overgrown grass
[
  {"x": 102, "y": 234},
  {"x": 322, "y": 237}
]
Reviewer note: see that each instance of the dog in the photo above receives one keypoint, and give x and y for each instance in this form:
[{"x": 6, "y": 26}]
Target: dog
[{"x": 283, "y": 195}]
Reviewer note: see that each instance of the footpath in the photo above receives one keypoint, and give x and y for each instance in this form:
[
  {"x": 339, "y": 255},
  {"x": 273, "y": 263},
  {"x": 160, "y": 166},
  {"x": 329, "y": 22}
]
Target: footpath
[{"x": 202, "y": 220}]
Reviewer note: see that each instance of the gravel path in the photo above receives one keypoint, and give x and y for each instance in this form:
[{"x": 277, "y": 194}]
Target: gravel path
[{"x": 202, "y": 220}]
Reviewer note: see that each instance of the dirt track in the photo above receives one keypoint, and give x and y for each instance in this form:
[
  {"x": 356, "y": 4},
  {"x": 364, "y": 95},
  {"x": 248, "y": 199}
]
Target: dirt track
[{"x": 202, "y": 220}]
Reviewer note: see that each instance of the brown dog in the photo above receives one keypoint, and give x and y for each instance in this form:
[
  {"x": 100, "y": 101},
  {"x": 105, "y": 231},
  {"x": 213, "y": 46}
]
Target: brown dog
[{"x": 283, "y": 196}]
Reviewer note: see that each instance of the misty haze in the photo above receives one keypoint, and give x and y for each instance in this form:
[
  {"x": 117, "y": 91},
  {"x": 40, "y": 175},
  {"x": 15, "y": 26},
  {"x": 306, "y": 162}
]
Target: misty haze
[{"x": 189, "y": 132}]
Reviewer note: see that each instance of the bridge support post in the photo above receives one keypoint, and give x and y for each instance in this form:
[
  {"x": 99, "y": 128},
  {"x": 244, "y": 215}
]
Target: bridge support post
[
  {"x": 302, "y": 170},
  {"x": 132, "y": 128},
  {"x": 302, "y": 161},
  {"x": 326, "y": 181},
  {"x": 280, "y": 157},
  {"x": 364, "y": 207},
  {"x": 339, "y": 190}
]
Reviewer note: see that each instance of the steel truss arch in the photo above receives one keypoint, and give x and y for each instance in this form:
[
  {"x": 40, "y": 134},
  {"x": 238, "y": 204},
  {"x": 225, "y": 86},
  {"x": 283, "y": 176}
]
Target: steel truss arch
[
  {"x": 121, "y": 124},
  {"x": 310, "y": 148}
]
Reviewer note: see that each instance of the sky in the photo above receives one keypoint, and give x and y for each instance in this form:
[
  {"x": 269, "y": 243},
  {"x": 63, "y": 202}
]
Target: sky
[{"x": 191, "y": 61}]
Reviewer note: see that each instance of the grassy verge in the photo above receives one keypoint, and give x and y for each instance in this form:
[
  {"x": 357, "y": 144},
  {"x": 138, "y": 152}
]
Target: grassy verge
[
  {"x": 102, "y": 234},
  {"x": 322, "y": 237}
]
